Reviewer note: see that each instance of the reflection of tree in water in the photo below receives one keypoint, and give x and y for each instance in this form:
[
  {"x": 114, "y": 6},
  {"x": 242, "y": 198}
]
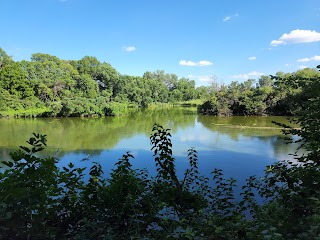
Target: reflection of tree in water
[
  {"x": 260, "y": 128},
  {"x": 4, "y": 154},
  {"x": 92, "y": 135},
  {"x": 238, "y": 126},
  {"x": 172, "y": 118}
]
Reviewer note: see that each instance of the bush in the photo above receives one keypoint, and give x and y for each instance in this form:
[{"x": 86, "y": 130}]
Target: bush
[{"x": 116, "y": 109}]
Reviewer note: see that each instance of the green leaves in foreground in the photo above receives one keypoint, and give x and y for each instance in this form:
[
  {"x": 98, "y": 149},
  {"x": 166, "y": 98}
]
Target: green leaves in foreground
[{"x": 39, "y": 200}]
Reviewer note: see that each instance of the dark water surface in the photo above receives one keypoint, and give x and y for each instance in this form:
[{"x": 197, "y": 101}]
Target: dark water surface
[{"x": 241, "y": 146}]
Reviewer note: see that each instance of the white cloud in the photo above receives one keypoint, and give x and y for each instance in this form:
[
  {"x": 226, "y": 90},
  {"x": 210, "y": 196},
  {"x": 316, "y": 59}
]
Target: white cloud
[
  {"x": 276, "y": 43},
  {"x": 227, "y": 18},
  {"x": 302, "y": 67},
  {"x": 314, "y": 58},
  {"x": 286, "y": 65},
  {"x": 297, "y": 36},
  {"x": 249, "y": 75},
  {"x": 202, "y": 79},
  {"x": 205, "y": 63},
  {"x": 129, "y": 48},
  {"x": 206, "y": 78},
  {"x": 187, "y": 63},
  {"x": 303, "y": 60},
  {"x": 192, "y": 64},
  {"x": 252, "y": 58}
]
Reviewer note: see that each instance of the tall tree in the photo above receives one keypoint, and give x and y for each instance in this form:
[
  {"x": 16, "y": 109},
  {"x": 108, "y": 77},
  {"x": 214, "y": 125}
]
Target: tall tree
[{"x": 4, "y": 58}]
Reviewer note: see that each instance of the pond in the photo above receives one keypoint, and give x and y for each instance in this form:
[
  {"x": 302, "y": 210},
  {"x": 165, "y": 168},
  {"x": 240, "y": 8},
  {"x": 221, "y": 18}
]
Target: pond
[{"x": 241, "y": 146}]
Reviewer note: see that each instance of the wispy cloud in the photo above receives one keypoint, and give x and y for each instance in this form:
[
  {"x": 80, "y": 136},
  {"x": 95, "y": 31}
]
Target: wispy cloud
[
  {"x": 252, "y": 58},
  {"x": 202, "y": 78},
  {"x": 297, "y": 36},
  {"x": 314, "y": 58},
  {"x": 227, "y": 18},
  {"x": 206, "y": 78},
  {"x": 192, "y": 64},
  {"x": 303, "y": 67},
  {"x": 129, "y": 48},
  {"x": 249, "y": 75}
]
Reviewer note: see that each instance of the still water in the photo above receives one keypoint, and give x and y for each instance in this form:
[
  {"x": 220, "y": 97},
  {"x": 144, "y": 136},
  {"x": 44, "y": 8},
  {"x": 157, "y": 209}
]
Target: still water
[{"x": 241, "y": 146}]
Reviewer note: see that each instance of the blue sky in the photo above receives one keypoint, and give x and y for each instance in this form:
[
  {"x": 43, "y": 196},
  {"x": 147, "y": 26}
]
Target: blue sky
[{"x": 230, "y": 40}]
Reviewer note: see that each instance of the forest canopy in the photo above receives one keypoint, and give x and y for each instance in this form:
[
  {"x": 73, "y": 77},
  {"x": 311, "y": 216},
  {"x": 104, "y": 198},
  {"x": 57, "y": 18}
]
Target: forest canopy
[{"x": 49, "y": 86}]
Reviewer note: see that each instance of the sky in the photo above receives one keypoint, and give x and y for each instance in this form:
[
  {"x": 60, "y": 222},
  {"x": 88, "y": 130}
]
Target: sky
[{"x": 203, "y": 40}]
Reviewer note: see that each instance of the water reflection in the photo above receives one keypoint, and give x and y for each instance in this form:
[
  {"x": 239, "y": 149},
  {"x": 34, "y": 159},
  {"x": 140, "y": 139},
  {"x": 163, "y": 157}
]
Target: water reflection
[
  {"x": 72, "y": 134},
  {"x": 239, "y": 145}
]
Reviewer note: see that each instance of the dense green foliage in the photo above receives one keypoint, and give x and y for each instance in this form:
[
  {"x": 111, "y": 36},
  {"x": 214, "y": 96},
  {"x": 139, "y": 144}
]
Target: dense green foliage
[
  {"x": 49, "y": 86},
  {"x": 38, "y": 200},
  {"x": 282, "y": 94}
]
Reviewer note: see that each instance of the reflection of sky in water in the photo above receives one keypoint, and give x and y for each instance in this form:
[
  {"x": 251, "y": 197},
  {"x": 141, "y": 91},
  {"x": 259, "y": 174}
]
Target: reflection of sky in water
[
  {"x": 203, "y": 140},
  {"x": 207, "y": 141},
  {"x": 239, "y": 158},
  {"x": 240, "y": 152}
]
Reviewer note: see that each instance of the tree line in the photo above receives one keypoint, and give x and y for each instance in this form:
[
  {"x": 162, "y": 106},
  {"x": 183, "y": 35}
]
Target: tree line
[{"x": 49, "y": 86}]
